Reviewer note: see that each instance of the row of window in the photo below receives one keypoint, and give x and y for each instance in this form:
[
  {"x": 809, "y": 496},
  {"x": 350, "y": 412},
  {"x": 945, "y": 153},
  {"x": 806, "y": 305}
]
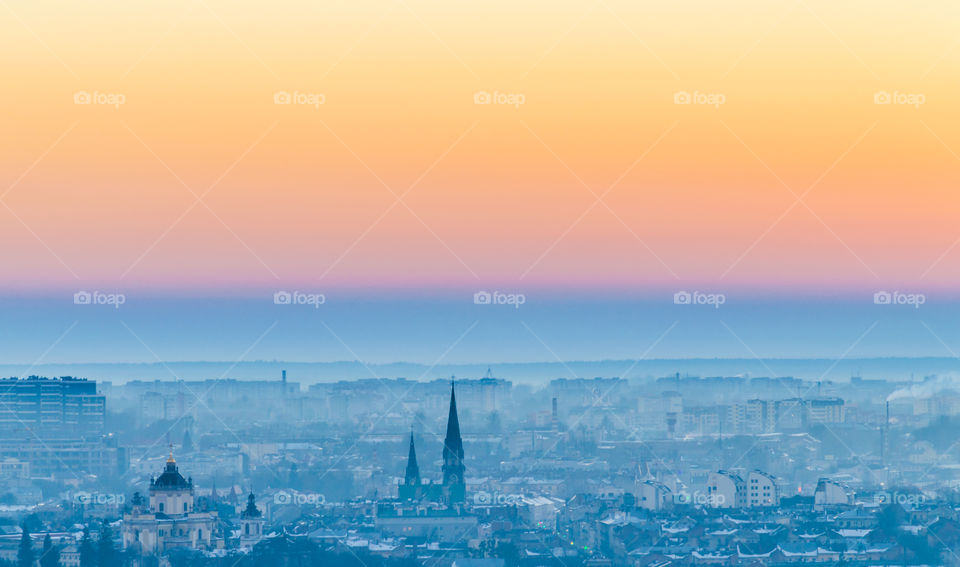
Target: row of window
[
  {"x": 181, "y": 532},
  {"x": 186, "y": 507}
]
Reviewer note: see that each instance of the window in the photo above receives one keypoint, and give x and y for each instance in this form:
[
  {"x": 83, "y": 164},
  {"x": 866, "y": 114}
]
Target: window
[
  {"x": 160, "y": 506},
  {"x": 184, "y": 506}
]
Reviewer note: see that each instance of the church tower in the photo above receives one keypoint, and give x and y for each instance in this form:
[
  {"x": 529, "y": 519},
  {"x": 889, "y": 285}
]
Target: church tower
[
  {"x": 454, "y": 488},
  {"x": 170, "y": 493},
  {"x": 251, "y": 523},
  {"x": 410, "y": 488}
]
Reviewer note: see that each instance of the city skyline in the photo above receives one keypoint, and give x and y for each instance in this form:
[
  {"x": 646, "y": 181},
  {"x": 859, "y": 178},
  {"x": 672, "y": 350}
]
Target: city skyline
[{"x": 413, "y": 283}]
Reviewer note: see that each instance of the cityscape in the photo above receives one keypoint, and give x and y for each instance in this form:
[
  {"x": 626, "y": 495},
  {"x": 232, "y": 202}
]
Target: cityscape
[
  {"x": 413, "y": 283},
  {"x": 679, "y": 469}
]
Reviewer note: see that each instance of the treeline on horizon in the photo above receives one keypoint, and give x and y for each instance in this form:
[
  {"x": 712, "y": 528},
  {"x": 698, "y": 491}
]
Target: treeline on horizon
[{"x": 893, "y": 368}]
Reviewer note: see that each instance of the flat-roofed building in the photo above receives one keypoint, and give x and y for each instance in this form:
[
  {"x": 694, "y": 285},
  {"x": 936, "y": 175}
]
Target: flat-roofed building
[{"x": 41, "y": 405}]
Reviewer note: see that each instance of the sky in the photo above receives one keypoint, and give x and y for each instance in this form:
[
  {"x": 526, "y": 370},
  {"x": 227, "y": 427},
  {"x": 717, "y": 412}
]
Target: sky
[{"x": 406, "y": 150}]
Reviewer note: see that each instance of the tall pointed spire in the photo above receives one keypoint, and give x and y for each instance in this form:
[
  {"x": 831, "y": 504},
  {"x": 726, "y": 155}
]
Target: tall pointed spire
[
  {"x": 453, "y": 469},
  {"x": 453, "y": 440},
  {"x": 412, "y": 477}
]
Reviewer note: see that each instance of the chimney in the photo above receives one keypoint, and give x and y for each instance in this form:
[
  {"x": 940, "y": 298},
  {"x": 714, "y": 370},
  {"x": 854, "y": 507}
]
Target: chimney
[{"x": 884, "y": 434}]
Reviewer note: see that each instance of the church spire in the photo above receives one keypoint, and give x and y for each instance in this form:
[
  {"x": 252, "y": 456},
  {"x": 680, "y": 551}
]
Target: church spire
[
  {"x": 453, "y": 440},
  {"x": 453, "y": 469},
  {"x": 412, "y": 478}
]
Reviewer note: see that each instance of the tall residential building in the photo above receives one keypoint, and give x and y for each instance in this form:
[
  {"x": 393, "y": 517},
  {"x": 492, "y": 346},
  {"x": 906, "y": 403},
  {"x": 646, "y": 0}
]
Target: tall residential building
[
  {"x": 760, "y": 416},
  {"x": 53, "y": 456},
  {"x": 726, "y": 489},
  {"x": 791, "y": 414},
  {"x": 51, "y": 405},
  {"x": 485, "y": 395},
  {"x": 825, "y": 410},
  {"x": 762, "y": 490}
]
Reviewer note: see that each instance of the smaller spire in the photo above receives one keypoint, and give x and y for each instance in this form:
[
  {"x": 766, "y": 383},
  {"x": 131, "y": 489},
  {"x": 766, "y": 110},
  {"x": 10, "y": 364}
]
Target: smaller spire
[
  {"x": 412, "y": 476},
  {"x": 170, "y": 459}
]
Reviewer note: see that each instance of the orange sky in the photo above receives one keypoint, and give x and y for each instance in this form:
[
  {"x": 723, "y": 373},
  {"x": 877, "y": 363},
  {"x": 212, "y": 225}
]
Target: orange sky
[{"x": 105, "y": 194}]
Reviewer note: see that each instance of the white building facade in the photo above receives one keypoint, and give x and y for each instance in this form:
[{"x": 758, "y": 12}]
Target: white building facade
[
  {"x": 762, "y": 490},
  {"x": 169, "y": 519},
  {"x": 726, "y": 490}
]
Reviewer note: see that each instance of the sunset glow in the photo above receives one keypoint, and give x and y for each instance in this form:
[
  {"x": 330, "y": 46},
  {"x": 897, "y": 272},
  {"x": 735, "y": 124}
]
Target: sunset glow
[{"x": 106, "y": 194}]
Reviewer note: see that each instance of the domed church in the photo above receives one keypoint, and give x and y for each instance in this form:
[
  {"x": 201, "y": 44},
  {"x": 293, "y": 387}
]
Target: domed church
[{"x": 169, "y": 520}]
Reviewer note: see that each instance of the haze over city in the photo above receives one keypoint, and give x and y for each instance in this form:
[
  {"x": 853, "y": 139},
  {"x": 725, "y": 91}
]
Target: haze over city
[{"x": 479, "y": 284}]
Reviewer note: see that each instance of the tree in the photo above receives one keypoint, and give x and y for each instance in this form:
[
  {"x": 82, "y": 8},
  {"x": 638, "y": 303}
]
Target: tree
[
  {"x": 106, "y": 554},
  {"x": 50, "y": 556},
  {"x": 25, "y": 552},
  {"x": 890, "y": 518},
  {"x": 88, "y": 555},
  {"x": 508, "y": 552}
]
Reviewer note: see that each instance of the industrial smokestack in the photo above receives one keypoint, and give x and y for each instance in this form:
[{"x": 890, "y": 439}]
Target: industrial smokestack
[{"x": 884, "y": 434}]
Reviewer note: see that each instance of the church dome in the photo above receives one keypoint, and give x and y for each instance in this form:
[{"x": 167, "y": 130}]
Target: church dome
[{"x": 171, "y": 479}]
